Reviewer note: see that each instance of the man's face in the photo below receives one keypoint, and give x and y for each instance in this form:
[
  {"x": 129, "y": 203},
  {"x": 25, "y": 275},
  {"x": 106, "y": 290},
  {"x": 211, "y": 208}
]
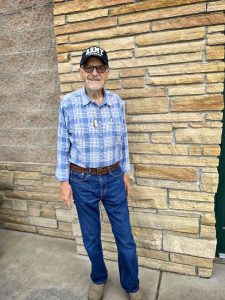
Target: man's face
[{"x": 94, "y": 81}]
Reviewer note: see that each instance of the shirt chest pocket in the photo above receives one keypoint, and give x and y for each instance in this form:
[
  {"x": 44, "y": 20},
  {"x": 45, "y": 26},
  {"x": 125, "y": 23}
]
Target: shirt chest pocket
[{"x": 113, "y": 127}]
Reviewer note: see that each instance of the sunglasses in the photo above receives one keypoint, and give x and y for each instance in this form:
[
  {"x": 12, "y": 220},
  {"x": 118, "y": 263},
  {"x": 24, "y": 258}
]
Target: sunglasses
[{"x": 90, "y": 69}]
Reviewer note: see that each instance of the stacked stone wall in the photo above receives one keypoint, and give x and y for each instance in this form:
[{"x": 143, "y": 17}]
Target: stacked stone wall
[
  {"x": 29, "y": 101},
  {"x": 166, "y": 62}
]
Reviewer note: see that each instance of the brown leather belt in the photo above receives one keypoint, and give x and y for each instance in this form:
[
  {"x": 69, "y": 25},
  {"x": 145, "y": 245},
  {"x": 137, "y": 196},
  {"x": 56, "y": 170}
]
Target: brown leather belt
[{"x": 94, "y": 171}]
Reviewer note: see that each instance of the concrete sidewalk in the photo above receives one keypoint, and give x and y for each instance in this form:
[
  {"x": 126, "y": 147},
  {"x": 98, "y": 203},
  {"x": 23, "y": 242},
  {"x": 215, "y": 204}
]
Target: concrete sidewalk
[{"x": 34, "y": 267}]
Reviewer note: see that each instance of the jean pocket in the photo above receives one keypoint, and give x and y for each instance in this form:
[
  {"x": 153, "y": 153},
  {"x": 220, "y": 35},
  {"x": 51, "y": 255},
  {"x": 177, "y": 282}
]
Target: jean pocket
[
  {"x": 116, "y": 173},
  {"x": 78, "y": 176}
]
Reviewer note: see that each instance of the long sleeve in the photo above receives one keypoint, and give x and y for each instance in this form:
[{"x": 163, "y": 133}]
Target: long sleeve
[
  {"x": 124, "y": 161},
  {"x": 63, "y": 147}
]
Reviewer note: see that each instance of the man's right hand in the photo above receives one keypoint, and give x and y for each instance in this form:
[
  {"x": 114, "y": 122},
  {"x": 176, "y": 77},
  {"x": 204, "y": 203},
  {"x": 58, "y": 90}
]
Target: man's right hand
[{"x": 66, "y": 193}]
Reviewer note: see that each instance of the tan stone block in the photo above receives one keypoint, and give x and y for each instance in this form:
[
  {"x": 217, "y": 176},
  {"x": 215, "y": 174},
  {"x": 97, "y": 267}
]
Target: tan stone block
[
  {"x": 155, "y": 254},
  {"x": 63, "y": 57},
  {"x": 209, "y": 182},
  {"x": 176, "y": 79},
  {"x": 123, "y": 43},
  {"x": 166, "y": 172},
  {"x": 138, "y": 138},
  {"x": 216, "y": 39},
  {"x": 161, "y": 13},
  {"x": 148, "y": 197},
  {"x": 187, "y": 68},
  {"x": 215, "y": 28},
  {"x": 175, "y": 160},
  {"x": 64, "y": 215},
  {"x": 48, "y": 212},
  {"x": 214, "y": 52},
  {"x": 208, "y": 219},
  {"x": 42, "y": 189},
  {"x": 170, "y": 36},
  {"x": 159, "y": 149},
  {"x": 208, "y": 232},
  {"x": 66, "y": 88},
  {"x": 212, "y": 124},
  {"x": 113, "y": 84},
  {"x": 195, "y": 150},
  {"x": 192, "y": 46},
  {"x": 162, "y": 138},
  {"x": 34, "y": 210},
  {"x": 157, "y": 60},
  {"x": 191, "y": 205},
  {"x": 186, "y": 90},
  {"x": 94, "y": 14},
  {"x": 189, "y": 225},
  {"x": 43, "y": 222},
  {"x": 65, "y": 226},
  {"x": 16, "y": 194},
  {"x": 169, "y": 117},
  {"x": 64, "y": 67},
  {"x": 19, "y": 204},
  {"x": 5, "y": 203},
  {"x": 85, "y": 26},
  {"x": 6, "y": 179},
  {"x": 25, "y": 167},
  {"x": 149, "y": 5},
  {"x": 73, "y": 47},
  {"x": 211, "y": 150},
  {"x": 27, "y": 175},
  {"x": 215, "y": 88},
  {"x": 109, "y": 33},
  {"x": 205, "y": 273},
  {"x": 59, "y": 20},
  {"x": 132, "y": 72},
  {"x": 216, "y": 5},
  {"x": 46, "y": 197},
  {"x": 119, "y": 55},
  {"x": 190, "y": 246},
  {"x": 78, "y": 5},
  {"x": 69, "y": 77},
  {"x": 198, "y": 103},
  {"x": 133, "y": 83},
  {"x": 142, "y": 93},
  {"x": 191, "y": 260},
  {"x": 14, "y": 219},
  {"x": 147, "y": 238},
  {"x": 214, "y": 116},
  {"x": 166, "y": 266},
  {"x": 149, "y": 127},
  {"x": 148, "y": 105},
  {"x": 190, "y": 21},
  {"x": 56, "y": 233},
  {"x": 199, "y": 135},
  {"x": 62, "y": 39},
  {"x": 19, "y": 227},
  {"x": 191, "y": 196},
  {"x": 25, "y": 182},
  {"x": 215, "y": 77}
]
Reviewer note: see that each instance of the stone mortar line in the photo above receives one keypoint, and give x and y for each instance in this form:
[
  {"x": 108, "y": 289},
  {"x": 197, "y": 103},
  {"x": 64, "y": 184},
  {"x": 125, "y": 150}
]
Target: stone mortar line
[{"x": 158, "y": 287}]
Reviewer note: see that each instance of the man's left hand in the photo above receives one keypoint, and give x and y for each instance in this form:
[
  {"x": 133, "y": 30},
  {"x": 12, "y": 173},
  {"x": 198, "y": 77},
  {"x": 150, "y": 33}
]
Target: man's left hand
[{"x": 127, "y": 184}]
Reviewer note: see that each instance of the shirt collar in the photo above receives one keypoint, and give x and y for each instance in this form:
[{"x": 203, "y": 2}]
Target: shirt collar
[{"x": 86, "y": 100}]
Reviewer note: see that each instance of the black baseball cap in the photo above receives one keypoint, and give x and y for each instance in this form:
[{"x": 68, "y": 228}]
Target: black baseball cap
[{"x": 94, "y": 51}]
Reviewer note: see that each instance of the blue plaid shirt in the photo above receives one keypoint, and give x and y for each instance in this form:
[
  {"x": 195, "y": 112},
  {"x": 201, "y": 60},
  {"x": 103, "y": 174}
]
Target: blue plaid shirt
[{"x": 90, "y": 135}]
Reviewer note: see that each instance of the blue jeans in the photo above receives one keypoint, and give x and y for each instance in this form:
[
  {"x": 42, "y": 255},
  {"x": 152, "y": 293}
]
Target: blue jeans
[{"x": 88, "y": 190}]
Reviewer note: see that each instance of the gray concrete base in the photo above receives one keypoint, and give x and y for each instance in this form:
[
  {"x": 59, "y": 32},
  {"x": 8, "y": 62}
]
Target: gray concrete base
[{"x": 34, "y": 267}]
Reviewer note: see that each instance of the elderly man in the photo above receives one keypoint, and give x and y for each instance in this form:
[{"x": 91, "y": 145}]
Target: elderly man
[{"x": 92, "y": 166}]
